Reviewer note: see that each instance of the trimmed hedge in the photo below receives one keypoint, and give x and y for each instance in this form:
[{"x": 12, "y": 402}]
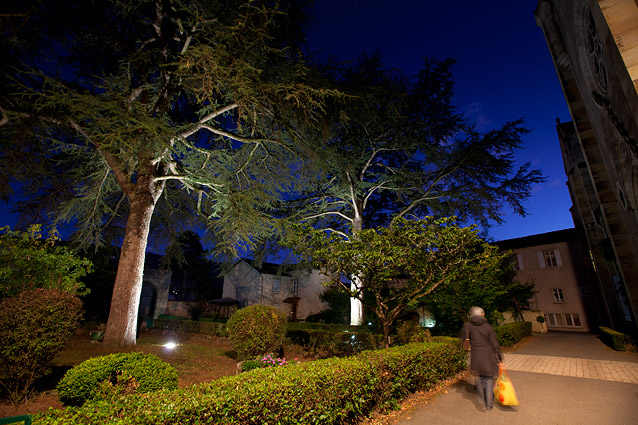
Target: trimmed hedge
[
  {"x": 616, "y": 340},
  {"x": 191, "y": 326},
  {"x": 331, "y": 391},
  {"x": 510, "y": 333},
  {"x": 84, "y": 381}
]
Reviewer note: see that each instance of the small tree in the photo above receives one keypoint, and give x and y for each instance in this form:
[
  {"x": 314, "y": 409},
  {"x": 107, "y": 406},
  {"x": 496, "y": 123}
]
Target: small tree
[
  {"x": 34, "y": 327},
  {"x": 495, "y": 290},
  {"x": 398, "y": 266},
  {"x": 29, "y": 261},
  {"x": 256, "y": 330}
]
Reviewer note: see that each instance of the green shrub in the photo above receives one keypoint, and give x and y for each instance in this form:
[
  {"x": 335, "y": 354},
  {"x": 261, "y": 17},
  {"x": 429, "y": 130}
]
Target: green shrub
[
  {"x": 297, "y": 394},
  {"x": 250, "y": 365},
  {"x": 410, "y": 331},
  {"x": 256, "y": 330},
  {"x": 34, "y": 327},
  {"x": 29, "y": 261},
  {"x": 93, "y": 378},
  {"x": 616, "y": 340},
  {"x": 510, "y": 333},
  {"x": 264, "y": 362},
  {"x": 331, "y": 342}
]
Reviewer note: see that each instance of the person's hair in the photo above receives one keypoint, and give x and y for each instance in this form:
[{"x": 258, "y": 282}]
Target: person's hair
[{"x": 476, "y": 311}]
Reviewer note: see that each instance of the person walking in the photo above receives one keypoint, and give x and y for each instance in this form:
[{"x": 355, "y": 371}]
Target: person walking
[{"x": 485, "y": 355}]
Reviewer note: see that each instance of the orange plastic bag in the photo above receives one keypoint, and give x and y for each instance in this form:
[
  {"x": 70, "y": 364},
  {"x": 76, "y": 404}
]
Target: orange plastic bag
[{"x": 504, "y": 392}]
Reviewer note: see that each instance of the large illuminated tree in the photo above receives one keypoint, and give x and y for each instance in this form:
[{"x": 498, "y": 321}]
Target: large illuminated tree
[
  {"x": 399, "y": 149},
  {"x": 172, "y": 109}
]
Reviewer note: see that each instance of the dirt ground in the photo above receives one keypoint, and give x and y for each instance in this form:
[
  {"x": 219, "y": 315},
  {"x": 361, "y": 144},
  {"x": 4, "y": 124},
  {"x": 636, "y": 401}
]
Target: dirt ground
[{"x": 197, "y": 358}]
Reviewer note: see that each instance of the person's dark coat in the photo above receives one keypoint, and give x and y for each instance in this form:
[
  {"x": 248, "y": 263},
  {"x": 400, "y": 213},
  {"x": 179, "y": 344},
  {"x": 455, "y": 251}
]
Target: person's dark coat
[{"x": 486, "y": 351}]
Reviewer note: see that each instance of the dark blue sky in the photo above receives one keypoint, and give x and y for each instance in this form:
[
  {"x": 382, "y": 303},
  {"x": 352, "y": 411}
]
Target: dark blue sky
[{"x": 504, "y": 71}]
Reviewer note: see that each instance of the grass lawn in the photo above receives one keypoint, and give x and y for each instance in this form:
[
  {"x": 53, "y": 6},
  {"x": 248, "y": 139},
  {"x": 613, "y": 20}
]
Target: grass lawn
[{"x": 197, "y": 358}]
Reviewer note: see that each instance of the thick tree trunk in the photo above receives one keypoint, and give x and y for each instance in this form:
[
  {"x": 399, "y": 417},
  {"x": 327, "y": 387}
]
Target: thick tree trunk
[{"x": 121, "y": 327}]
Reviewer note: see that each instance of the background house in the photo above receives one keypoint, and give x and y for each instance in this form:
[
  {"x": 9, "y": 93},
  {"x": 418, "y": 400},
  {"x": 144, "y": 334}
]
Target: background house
[
  {"x": 553, "y": 262},
  {"x": 594, "y": 46},
  {"x": 295, "y": 292}
]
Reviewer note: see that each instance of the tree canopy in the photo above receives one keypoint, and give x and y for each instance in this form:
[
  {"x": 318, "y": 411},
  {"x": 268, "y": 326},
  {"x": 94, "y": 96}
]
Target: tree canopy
[
  {"x": 193, "y": 276},
  {"x": 398, "y": 266},
  {"x": 177, "y": 110},
  {"x": 398, "y": 148}
]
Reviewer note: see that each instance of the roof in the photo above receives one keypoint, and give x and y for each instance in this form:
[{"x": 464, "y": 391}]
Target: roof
[
  {"x": 565, "y": 235},
  {"x": 267, "y": 268}
]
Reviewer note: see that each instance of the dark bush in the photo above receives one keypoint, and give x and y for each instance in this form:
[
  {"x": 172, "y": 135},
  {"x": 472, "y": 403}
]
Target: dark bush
[
  {"x": 325, "y": 326},
  {"x": 410, "y": 331},
  {"x": 510, "y": 333},
  {"x": 121, "y": 373},
  {"x": 170, "y": 317},
  {"x": 326, "y": 316},
  {"x": 34, "y": 327},
  {"x": 190, "y": 326},
  {"x": 331, "y": 340},
  {"x": 331, "y": 391},
  {"x": 256, "y": 330},
  {"x": 616, "y": 340}
]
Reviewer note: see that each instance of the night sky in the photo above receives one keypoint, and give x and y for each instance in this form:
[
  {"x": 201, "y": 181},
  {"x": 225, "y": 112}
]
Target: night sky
[{"x": 504, "y": 71}]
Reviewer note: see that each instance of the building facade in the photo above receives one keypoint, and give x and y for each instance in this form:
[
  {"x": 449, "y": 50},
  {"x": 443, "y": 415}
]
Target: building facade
[
  {"x": 553, "y": 263},
  {"x": 594, "y": 46},
  {"x": 296, "y": 293}
]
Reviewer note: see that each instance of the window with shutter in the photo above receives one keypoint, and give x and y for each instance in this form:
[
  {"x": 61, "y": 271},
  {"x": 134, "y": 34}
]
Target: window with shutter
[
  {"x": 548, "y": 259},
  {"x": 519, "y": 260}
]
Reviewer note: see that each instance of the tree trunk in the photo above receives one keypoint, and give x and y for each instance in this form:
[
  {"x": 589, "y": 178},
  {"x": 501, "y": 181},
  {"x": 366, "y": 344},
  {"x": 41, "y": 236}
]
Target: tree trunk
[
  {"x": 356, "y": 307},
  {"x": 121, "y": 327},
  {"x": 386, "y": 334}
]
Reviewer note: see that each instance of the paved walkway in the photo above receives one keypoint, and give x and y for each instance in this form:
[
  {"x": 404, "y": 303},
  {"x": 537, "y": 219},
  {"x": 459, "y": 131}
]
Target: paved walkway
[
  {"x": 560, "y": 378},
  {"x": 580, "y": 368}
]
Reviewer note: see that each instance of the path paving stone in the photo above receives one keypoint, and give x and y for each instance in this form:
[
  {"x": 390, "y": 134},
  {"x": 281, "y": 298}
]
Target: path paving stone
[{"x": 582, "y": 368}]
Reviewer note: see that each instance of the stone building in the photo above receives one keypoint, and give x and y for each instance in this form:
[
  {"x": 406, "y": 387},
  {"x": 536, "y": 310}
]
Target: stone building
[
  {"x": 553, "y": 262},
  {"x": 594, "y": 46},
  {"x": 296, "y": 293}
]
